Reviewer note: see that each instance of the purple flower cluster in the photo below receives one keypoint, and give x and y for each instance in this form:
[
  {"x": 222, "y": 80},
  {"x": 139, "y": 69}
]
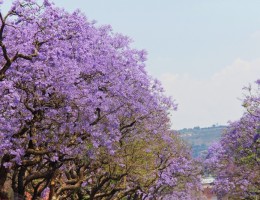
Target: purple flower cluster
[
  {"x": 235, "y": 160},
  {"x": 72, "y": 97}
]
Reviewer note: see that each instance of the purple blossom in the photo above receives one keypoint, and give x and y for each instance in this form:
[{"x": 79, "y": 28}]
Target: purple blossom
[
  {"x": 72, "y": 95},
  {"x": 235, "y": 159}
]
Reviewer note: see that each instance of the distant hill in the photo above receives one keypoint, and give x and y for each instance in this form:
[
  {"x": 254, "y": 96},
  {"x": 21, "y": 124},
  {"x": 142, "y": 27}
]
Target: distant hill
[{"x": 201, "y": 138}]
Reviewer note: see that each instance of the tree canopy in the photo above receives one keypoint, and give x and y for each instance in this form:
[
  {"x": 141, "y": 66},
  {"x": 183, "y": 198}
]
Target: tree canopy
[
  {"x": 80, "y": 118},
  {"x": 235, "y": 159}
]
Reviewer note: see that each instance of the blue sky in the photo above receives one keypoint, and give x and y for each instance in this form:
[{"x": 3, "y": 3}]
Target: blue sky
[
  {"x": 198, "y": 37},
  {"x": 203, "y": 51}
]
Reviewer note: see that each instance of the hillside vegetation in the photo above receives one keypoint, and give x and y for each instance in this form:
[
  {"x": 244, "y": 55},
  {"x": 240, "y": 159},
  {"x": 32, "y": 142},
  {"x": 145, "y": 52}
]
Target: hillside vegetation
[{"x": 201, "y": 138}]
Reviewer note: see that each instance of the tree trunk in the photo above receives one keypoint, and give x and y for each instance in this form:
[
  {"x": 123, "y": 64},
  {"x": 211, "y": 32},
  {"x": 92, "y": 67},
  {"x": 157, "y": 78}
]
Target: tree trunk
[{"x": 3, "y": 176}]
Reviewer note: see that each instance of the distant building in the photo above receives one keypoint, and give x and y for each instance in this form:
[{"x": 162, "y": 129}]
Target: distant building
[{"x": 207, "y": 184}]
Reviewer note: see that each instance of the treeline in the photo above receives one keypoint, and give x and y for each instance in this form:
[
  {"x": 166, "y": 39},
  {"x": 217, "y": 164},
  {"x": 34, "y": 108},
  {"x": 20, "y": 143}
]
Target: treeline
[{"x": 201, "y": 138}]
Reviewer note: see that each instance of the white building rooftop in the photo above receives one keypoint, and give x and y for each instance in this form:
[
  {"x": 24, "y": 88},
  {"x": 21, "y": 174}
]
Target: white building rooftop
[{"x": 207, "y": 180}]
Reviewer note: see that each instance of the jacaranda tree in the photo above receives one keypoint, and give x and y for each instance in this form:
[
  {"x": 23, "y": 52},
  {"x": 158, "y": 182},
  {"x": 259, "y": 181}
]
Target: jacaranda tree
[
  {"x": 78, "y": 110},
  {"x": 235, "y": 160}
]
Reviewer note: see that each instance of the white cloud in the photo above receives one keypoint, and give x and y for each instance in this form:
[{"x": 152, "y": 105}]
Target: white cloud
[{"x": 213, "y": 100}]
